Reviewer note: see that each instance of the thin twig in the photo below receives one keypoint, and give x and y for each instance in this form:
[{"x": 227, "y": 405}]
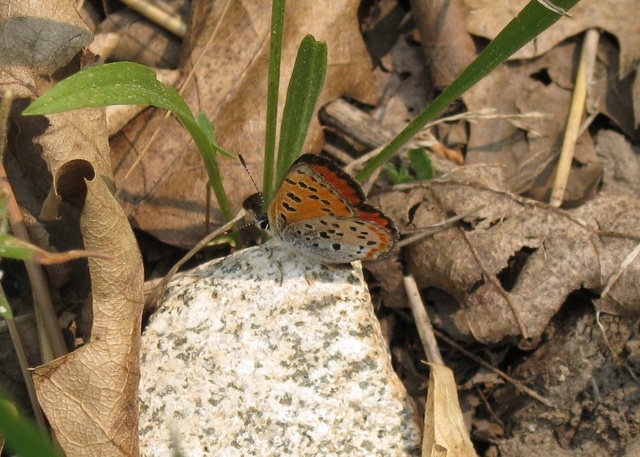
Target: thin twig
[
  {"x": 432, "y": 229},
  {"x": 584, "y": 76},
  {"x": 39, "y": 285},
  {"x": 169, "y": 21},
  {"x": 153, "y": 297},
  {"x": 517, "y": 384},
  {"x": 425, "y": 329},
  {"x": 424, "y": 139}
]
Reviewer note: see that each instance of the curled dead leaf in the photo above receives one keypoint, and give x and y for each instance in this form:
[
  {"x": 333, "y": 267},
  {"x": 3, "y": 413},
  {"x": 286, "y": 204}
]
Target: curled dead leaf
[
  {"x": 445, "y": 433},
  {"x": 96, "y": 385},
  {"x": 90, "y": 395}
]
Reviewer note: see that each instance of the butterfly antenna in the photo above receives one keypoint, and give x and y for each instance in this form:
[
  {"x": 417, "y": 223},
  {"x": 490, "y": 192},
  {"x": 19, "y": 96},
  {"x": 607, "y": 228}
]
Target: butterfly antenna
[
  {"x": 246, "y": 168},
  {"x": 260, "y": 219}
]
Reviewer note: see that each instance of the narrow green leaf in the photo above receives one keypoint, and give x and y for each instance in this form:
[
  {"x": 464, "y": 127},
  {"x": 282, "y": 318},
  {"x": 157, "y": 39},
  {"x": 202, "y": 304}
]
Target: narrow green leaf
[
  {"x": 273, "y": 89},
  {"x": 305, "y": 87},
  {"x": 421, "y": 164},
  {"x": 531, "y": 22},
  {"x": 207, "y": 127},
  {"x": 208, "y": 153},
  {"x": 392, "y": 172},
  {"x": 120, "y": 83}
]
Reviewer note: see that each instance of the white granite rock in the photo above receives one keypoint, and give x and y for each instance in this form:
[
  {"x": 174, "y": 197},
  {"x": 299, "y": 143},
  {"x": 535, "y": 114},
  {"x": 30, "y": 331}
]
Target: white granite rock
[{"x": 265, "y": 354}]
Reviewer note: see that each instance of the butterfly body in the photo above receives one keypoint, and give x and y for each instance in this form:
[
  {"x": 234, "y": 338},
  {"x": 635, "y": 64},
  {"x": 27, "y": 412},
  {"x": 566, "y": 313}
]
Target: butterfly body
[{"x": 321, "y": 211}]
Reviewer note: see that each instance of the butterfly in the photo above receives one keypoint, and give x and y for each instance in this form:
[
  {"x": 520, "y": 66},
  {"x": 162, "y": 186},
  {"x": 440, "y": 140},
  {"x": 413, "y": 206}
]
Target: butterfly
[{"x": 320, "y": 210}]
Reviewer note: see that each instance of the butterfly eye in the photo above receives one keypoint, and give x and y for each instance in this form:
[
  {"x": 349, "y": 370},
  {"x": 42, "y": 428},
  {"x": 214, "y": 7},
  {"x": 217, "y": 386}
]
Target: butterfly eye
[{"x": 263, "y": 223}]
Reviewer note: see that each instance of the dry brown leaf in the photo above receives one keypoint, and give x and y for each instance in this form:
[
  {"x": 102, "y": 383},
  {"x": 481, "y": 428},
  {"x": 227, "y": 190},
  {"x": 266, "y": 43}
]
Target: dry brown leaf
[
  {"x": 24, "y": 28},
  {"x": 616, "y": 218},
  {"x": 611, "y": 95},
  {"x": 515, "y": 263},
  {"x": 404, "y": 82},
  {"x": 89, "y": 396},
  {"x": 528, "y": 149},
  {"x": 386, "y": 282},
  {"x": 621, "y": 163},
  {"x": 619, "y": 18},
  {"x": 165, "y": 196},
  {"x": 445, "y": 434},
  {"x": 448, "y": 47}
]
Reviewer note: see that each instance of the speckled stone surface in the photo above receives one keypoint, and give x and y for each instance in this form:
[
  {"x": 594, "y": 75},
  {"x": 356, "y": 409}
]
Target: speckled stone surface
[{"x": 263, "y": 354}]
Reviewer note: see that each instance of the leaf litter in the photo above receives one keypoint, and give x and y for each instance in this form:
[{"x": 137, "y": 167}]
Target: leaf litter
[
  {"x": 515, "y": 261},
  {"x": 515, "y": 268},
  {"x": 520, "y": 268}
]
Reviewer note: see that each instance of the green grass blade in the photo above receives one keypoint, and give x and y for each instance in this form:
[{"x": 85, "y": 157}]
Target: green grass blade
[
  {"x": 205, "y": 124},
  {"x": 305, "y": 87},
  {"x": 273, "y": 89},
  {"x": 531, "y": 22}
]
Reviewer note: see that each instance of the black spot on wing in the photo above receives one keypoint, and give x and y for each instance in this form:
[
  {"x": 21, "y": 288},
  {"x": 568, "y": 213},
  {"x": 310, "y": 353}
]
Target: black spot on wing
[{"x": 294, "y": 197}]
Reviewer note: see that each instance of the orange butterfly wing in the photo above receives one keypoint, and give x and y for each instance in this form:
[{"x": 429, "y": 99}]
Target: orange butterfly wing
[{"x": 320, "y": 209}]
